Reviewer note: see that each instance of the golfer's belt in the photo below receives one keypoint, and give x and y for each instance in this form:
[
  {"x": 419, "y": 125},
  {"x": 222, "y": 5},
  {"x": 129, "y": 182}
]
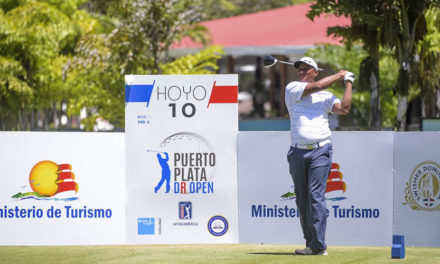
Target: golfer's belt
[{"x": 313, "y": 146}]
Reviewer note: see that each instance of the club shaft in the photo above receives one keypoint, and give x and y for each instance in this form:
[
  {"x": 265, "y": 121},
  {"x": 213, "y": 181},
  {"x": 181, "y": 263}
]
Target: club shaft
[
  {"x": 275, "y": 61},
  {"x": 327, "y": 70},
  {"x": 320, "y": 69},
  {"x": 285, "y": 62}
]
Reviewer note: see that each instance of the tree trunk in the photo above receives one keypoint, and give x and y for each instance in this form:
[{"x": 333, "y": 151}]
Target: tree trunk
[
  {"x": 405, "y": 40},
  {"x": 402, "y": 107},
  {"x": 20, "y": 119},
  {"x": 32, "y": 127},
  {"x": 56, "y": 117},
  {"x": 402, "y": 91},
  {"x": 375, "y": 123},
  {"x": 46, "y": 118},
  {"x": 437, "y": 104}
]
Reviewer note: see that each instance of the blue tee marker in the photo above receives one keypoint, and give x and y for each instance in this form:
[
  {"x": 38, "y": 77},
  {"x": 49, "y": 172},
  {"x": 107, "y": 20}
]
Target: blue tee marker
[{"x": 398, "y": 249}]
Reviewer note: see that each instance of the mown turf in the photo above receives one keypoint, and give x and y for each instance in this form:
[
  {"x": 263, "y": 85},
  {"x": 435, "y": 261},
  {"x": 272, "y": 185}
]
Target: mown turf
[{"x": 212, "y": 254}]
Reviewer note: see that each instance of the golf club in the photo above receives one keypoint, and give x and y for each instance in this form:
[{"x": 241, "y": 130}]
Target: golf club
[{"x": 270, "y": 61}]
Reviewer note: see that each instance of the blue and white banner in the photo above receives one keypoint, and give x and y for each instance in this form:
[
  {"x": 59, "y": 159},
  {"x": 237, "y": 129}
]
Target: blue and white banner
[
  {"x": 359, "y": 189},
  {"x": 417, "y": 188},
  {"x": 181, "y": 158},
  {"x": 62, "y": 188}
]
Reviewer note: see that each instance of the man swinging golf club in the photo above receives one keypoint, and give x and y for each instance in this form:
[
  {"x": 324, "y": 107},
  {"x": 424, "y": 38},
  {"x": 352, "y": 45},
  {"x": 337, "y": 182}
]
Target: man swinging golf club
[{"x": 310, "y": 153}]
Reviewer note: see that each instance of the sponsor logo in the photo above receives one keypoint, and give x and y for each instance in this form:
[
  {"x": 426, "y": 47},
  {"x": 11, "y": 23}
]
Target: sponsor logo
[
  {"x": 335, "y": 186},
  {"x": 185, "y": 210},
  {"x": 48, "y": 179},
  {"x": 264, "y": 211},
  {"x": 187, "y": 164},
  {"x": 422, "y": 190},
  {"x": 334, "y": 190},
  {"x": 218, "y": 225},
  {"x": 145, "y": 226},
  {"x": 54, "y": 182}
]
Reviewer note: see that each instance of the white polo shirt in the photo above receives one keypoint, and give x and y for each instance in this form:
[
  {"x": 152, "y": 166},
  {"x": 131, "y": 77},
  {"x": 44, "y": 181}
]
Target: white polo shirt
[{"x": 308, "y": 114}]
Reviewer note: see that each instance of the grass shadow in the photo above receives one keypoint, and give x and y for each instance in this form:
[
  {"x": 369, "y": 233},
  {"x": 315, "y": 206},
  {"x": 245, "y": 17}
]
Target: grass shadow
[{"x": 272, "y": 253}]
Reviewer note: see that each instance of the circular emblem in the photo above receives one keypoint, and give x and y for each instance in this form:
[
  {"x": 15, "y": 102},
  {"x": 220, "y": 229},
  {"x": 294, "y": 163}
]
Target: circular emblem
[
  {"x": 218, "y": 225},
  {"x": 423, "y": 189}
]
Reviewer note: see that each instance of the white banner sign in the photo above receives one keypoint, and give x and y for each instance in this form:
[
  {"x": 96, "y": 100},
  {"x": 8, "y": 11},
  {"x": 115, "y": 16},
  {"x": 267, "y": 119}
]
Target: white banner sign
[
  {"x": 417, "y": 188},
  {"x": 359, "y": 189},
  {"x": 181, "y": 163},
  {"x": 62, "y": 188}
]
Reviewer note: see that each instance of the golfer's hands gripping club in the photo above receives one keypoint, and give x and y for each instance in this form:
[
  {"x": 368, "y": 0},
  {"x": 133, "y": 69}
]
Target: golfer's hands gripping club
[{"x": 349, "y": 76}]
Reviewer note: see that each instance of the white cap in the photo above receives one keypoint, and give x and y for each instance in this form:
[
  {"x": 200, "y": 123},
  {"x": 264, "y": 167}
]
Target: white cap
[{"x": 308, "y": 61}]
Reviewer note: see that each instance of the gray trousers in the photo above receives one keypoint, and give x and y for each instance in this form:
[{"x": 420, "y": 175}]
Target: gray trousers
[{"x": 309, "y": 170}]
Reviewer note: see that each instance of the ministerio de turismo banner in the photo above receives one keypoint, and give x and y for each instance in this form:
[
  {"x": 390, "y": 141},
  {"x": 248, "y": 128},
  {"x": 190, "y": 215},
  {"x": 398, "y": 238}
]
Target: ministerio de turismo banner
[
  {"x": 359, "y": 190},
  {"x": 62, "y": 188},
  {"x": 181, "y": 158}
]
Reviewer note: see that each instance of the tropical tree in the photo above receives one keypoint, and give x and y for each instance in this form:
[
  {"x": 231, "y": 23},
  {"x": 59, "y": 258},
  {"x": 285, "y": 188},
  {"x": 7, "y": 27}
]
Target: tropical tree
[
  {"x": 340, "y": 57},
  {"x": 210, "y": 9},
  {"x": 35, "y": 39},
  {"x": 204, "y": 62},
  {"x": 428, "y": 65},
  {"x": 397, "y": 25},
  {"x": 138, "y": 44},
  {"x": 366, "y": 20},
  {"x": 13, "y": 85},
  {"x": 406, "y": 26},
  {"x": 213, "y": 9}
]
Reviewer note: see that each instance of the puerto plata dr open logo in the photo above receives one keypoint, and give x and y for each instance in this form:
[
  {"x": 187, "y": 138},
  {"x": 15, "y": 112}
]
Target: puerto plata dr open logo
[
  {"x": 187, "y": 164},
  {"x": 48, "y": 179}
]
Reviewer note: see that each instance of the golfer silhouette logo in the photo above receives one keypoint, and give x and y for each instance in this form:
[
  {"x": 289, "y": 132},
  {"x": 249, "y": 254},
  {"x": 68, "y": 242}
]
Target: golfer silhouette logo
[{"x": 166, "y": 173}]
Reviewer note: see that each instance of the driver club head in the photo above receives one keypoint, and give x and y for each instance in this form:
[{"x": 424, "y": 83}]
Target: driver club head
[{"x": 269, "y": 61}]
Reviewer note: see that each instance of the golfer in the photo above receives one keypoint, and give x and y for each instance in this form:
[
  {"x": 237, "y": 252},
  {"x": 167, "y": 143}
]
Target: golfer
[{"x": 310, "y": 153}]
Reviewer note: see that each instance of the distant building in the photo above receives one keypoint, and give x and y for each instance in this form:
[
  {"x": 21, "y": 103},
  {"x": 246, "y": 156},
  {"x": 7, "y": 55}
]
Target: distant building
[{"x": 285, "y": 33}]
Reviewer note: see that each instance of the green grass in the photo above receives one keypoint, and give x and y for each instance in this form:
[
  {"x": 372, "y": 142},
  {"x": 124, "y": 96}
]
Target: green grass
[{"x": 211, "y": 254}]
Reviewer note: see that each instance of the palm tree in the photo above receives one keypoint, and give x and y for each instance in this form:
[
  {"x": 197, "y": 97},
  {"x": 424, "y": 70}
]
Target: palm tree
[
  {"x": 405, "y": 26},
  {"x": 428, "y": 68}
]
